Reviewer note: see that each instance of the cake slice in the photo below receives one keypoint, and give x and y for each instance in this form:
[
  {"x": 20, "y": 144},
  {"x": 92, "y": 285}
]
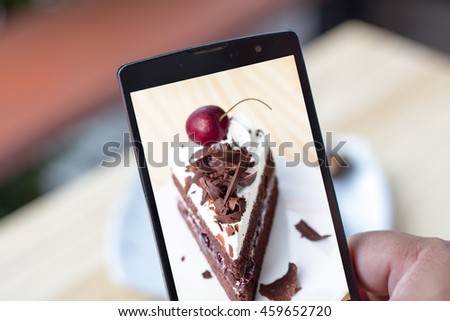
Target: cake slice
[{"x": 227, "y": 196}]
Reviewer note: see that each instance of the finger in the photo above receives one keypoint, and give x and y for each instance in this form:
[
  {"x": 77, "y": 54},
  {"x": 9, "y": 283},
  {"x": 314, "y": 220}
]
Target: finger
[
  {"x": 368, "y": 296},
  {"x": 381, "y": 258}
]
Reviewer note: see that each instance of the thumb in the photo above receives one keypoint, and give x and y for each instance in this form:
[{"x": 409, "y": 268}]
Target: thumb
[{"x": 398, "y": 266}]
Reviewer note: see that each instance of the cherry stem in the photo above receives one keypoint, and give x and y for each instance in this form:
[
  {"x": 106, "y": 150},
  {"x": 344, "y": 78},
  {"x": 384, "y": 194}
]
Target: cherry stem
[{"x": 241, "y": 101}]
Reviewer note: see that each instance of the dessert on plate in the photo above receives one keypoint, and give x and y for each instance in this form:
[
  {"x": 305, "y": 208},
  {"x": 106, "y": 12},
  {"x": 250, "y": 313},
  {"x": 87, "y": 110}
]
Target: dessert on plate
[{"x": 227, "y": 195}]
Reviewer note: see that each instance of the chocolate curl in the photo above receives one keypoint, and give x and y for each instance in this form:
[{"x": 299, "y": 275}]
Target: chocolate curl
[
  {"x": 308, "y": 232},
  {"x": 284, "y": 288},
  {"x": 219, "y": 169},
  {"x": 199, "y": 154},
  {"x": 230, "y": 230},
  {"x": 191, "y": 180},
  {"x": 231, "y": 212},
  {"x": 247, "y": 180},
  {"x": 204, "y": 197},
  {"x": 229, "y": 218},
  {"x": 234, "y": 182},
  {"x": 213, "y": 190}
]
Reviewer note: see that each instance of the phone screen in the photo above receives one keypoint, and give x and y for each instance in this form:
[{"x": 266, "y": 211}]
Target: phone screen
[{"x": 244, "y": 212}]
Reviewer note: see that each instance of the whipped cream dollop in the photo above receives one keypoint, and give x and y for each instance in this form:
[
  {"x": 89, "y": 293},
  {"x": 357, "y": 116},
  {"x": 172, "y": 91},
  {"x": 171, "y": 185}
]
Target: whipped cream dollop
[{"x": 232, "y": 233}]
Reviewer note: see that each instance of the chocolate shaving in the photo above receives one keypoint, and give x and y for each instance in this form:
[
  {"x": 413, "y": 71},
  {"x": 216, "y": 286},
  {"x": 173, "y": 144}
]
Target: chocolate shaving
[
  {"x": 206, "y": 275},
  {"x": 219, "y": 170},
  {"x": 248, "y": 180},
  {"x": 199, "y": 154},
  {"x": 189, "y": 180},
  {"x": 220, "y": 225},
  {"x": 284, "y": 288},
  {"x": 183, "y": 258},
  {"x": 308, "y": 232},
  {"x": 231, "y": 218},
  {"x": 213, "y": 190},
  {"x": 230, "y": 250},
  {"x": 219, "y": 237},
  {"x": 230, "y": 230},
  {"x": 234, "y": 181},
  {"x": 233, "y": 202},
  {"x": 204, "y": 197}
]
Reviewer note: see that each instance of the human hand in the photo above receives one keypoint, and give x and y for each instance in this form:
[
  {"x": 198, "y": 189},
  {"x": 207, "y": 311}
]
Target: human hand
[{"x": 398, "y": 266}]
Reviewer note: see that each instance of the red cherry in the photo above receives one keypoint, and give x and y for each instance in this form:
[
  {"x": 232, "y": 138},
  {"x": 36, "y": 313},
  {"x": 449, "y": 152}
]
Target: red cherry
[{"x": 207, "y": 124}]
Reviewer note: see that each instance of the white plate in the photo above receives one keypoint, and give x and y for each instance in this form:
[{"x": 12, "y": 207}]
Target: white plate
[{"x": 301, "y": 196}]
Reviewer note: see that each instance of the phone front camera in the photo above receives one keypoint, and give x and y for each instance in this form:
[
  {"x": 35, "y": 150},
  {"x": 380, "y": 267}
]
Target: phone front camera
[{"x": 258, "y": 49}]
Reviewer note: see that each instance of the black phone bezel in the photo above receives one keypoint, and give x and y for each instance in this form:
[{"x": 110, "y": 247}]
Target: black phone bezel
[{"x": 209, "y": 59}]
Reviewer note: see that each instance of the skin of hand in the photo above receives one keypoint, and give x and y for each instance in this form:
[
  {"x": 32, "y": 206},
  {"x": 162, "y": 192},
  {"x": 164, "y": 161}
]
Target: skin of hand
[{"x": 398, "y": 266}]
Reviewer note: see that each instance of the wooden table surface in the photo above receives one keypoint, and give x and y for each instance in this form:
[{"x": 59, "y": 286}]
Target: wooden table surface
[{"x": 365, "y": 81}]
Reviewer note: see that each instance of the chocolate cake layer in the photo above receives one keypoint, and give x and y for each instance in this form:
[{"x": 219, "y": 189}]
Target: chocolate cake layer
[{"x": 238, "y": 277}]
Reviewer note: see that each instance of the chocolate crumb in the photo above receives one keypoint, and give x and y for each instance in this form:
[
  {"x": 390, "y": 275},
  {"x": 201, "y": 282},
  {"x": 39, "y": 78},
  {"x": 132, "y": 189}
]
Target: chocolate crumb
[
  {"x": 206, "y": 275},
  {"x": 284, "y": 288},
  {"x": 183, "y": 258},
  {"x": 230, "y": 230},
  {"x": 308, "y": 232}
]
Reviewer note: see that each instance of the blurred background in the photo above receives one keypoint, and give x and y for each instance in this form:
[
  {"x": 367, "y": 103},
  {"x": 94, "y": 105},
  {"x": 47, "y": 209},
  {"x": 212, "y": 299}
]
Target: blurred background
[{"x": 60, "y": 102}]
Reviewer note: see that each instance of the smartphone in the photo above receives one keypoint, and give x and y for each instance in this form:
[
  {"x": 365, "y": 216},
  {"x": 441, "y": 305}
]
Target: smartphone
[{"x": 234, "y": 171}]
